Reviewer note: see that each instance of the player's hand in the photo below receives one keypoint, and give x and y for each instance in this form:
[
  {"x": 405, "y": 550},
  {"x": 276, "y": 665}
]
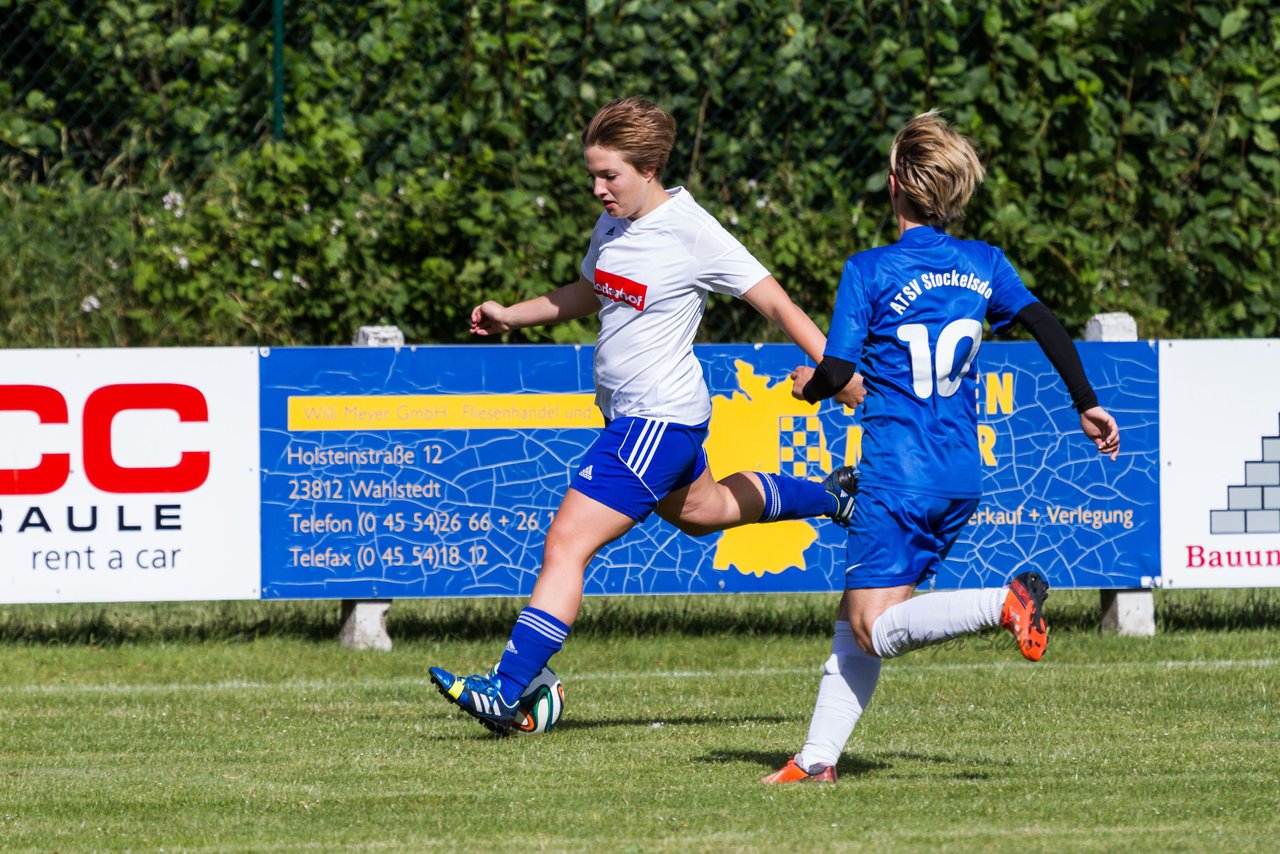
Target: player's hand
[
  {"x": 488, "y": 319},
  {"x": 852, "y": 394},
  {"x": 1099, "y": 426},
  {"x": 799, "y": 379}
]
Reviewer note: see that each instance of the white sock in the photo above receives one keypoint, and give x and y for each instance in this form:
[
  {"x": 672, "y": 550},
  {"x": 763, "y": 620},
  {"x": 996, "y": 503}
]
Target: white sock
[
  {"x": 848, "y": 680},
  {"x": 936, "y": 617}
]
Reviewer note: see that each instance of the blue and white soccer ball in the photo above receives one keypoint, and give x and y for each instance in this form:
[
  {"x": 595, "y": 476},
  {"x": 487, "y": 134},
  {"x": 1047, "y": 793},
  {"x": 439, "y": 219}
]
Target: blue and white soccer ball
[{"x": 541, "y": 703}]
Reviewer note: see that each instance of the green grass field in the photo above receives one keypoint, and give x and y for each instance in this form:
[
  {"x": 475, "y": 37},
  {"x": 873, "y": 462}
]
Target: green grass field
[{"x": 245, "y": 727}]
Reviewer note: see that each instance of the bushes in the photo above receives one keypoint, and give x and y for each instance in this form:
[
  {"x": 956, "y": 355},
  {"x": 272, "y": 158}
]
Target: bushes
[
  {"x": 65, "y": 265},
  {"x": 430, "y": 158}
]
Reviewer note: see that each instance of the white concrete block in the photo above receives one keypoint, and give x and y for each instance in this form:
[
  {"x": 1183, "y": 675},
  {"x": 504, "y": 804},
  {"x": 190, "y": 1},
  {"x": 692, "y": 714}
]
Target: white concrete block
[
  {"x": 1116, "y": 326},
  {"x": 364, "y": 624},
  {"x": 379, "y": 336},
  {"x": 1129, "y": 613}
]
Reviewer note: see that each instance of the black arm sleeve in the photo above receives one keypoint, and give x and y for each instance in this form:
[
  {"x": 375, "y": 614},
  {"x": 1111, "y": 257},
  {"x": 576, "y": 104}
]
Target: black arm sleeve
[
  {"x": 1061, "y": 350},
  {"x": 831, "y": 375}
]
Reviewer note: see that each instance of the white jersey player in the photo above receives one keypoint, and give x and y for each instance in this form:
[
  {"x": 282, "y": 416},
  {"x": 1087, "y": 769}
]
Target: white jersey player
[{"x": 654, "y": 257}]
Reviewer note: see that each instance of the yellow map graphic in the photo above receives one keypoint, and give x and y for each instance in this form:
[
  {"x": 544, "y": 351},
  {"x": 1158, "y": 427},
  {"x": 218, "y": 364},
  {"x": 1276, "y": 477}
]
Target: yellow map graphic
[{"x": 763, "y": 428}]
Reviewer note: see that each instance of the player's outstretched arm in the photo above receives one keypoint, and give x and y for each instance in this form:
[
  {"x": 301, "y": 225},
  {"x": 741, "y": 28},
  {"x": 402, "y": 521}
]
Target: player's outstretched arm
[
  {"x": 1049, "y": 333},
  {"x": 767, "y": 297},
  {"x": 773, "y": 303},
  {"x": 564, "y": 303}
]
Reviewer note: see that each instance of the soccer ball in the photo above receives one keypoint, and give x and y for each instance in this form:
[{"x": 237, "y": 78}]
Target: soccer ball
[{"x": 541, "y": 703}]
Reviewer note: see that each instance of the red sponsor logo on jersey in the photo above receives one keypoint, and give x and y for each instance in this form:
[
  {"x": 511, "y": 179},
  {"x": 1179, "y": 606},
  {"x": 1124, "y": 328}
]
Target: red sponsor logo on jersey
[{"x": 620, "y": 289}]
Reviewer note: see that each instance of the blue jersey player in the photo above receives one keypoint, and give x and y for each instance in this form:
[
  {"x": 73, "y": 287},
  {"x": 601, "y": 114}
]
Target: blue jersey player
[{"x": 910, "y": 317}]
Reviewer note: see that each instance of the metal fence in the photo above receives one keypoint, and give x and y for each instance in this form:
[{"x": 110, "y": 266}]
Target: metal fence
[
  {"x": 108, "y": 87},
  {"x": 104, "y": 87},
  {"x": 1149, "y": 123}
]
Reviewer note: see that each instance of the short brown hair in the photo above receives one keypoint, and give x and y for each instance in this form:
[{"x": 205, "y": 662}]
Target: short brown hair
[
  {"x": 936, "y": 167},
  {"x": 639, "y": 130}
]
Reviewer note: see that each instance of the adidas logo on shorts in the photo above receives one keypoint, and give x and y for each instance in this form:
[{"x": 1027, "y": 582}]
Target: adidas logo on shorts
[{"x": 585, "y": 474}]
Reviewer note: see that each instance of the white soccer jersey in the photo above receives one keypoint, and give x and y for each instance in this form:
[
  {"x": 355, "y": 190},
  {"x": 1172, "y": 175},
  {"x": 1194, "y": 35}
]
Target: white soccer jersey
[{"x": 652, "y": 277}]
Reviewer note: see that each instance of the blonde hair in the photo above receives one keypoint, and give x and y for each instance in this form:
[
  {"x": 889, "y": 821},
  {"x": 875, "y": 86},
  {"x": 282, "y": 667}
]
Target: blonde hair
[
  {"x": 936, "y": 167},
  {"x": 639, "y": 130}
]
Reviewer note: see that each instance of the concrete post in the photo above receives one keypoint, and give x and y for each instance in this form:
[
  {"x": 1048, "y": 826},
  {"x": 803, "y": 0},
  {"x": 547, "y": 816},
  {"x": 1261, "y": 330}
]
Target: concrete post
[
  {"x": 1125, "y": 612},
  {"x": 390, "y": 336},
  {"x": 364, "y": 621},
  {"x": 364, "y": 624}
]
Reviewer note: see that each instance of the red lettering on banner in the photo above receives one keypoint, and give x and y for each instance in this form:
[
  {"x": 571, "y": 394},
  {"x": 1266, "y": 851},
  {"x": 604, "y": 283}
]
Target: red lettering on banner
[
  {"x": 100, "y": 467},
  {"x": 51, "y": 408},
  {"x": 620, "y": 289},
  {"x": 101, "y": 409},
  {"x": 1199, "y": 556}
]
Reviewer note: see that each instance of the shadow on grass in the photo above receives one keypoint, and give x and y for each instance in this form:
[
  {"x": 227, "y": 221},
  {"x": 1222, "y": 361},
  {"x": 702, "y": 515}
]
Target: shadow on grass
[
  {"x": 741, "y": 615},
  {"x": 662, "y": 722},
  {"x": 769, "y": 762},
  {"x": 849, "y": 766},
  {"x": 581, "y": 723}
]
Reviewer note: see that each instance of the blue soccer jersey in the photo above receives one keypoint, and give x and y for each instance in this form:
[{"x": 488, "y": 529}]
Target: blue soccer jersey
[{"x": 910, "y": 317}]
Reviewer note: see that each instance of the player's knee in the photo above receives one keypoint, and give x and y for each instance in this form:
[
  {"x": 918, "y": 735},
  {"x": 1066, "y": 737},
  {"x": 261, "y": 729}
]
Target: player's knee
[{"x": 559, "y": 546}]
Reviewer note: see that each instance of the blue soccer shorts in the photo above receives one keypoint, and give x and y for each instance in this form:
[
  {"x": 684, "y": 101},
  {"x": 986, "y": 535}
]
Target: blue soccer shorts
[
  {"x": 900, "y": 538},
  {"x": 637, "y": 462}
]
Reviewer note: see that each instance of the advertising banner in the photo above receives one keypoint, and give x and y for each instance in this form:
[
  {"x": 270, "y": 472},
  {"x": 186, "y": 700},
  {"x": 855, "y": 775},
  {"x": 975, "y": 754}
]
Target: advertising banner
[
  {"x": 1050, "y": 502},
  {"x": 356, "y": 472},
  {"x": 1220, "y": 480},
  {"x": 129, "y": 475},
  {"x": 435, "y": 471}
]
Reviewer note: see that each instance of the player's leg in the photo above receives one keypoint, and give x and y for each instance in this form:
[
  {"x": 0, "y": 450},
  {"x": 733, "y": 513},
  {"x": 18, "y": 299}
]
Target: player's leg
[
  {"x": 896, "y": 541},
  {"x": 878, "y": 577},
  {"x": 849, "y": 677},
  {"x": 631, "y": 463},
  {"x": 708, "y": 505},
  {"x": 581, "y": 527},
  {"x": 933, "y": 618}
]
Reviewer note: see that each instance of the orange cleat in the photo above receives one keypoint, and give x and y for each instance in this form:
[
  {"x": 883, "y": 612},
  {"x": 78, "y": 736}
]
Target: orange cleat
[
  {"x": 793, "y": 773},
  {"x": 1023, "y": 614}
]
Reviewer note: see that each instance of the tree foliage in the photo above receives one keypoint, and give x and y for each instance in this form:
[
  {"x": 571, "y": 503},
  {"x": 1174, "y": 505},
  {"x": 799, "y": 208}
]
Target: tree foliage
[{"x": 431, "y": 159}]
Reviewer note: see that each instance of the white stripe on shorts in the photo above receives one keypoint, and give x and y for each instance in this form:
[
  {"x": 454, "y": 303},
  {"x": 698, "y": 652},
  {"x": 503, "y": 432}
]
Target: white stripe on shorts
[
  {"x": 653, "y": 449},
  {"x": 646, "y": 446},
  {"x": 646, "y": 427}
]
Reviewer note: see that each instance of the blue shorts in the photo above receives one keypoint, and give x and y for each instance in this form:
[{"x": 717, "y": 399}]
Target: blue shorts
[
  {"x": 899, "y": 538},
  {"x": 637, "y": 462}
]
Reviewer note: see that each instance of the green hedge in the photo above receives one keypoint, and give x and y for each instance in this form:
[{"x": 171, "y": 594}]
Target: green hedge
[{"x": 430, "y": 155}]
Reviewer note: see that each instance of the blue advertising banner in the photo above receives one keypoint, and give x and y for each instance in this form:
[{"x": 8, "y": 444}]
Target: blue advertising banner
[
  {"x": 435, "y": 471},
  {"x": 1049, "y": 501}
]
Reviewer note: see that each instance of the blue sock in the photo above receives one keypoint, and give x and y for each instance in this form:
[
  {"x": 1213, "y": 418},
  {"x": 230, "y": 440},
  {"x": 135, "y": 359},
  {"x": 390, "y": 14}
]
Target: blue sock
[
  {"x": 535, "y": 637},
  {"x": 793, "y": 498}
]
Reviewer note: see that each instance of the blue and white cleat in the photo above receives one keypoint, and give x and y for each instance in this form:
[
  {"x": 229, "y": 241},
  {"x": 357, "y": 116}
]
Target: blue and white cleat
[
  {"x": 843, "y": 484},
  {"x": 478, "y": 696}
]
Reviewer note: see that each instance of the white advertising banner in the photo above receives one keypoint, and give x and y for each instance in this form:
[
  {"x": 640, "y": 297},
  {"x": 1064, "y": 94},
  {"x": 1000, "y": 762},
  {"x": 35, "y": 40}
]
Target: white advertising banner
[
  {"x": 1220, "y": 450},
  {"x": 129, "y": 475}
]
